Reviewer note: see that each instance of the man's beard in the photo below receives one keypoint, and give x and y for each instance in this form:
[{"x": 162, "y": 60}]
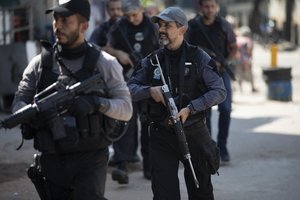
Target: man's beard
[
  {"x": 164, "y": 41},
  {"x": 70, "y": 38}
]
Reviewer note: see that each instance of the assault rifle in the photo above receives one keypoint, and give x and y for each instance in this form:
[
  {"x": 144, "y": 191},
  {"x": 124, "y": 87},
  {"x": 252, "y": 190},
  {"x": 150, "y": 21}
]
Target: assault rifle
[
  {"x": 177, "y": 125},
  {"x": 53, "y": 100}
]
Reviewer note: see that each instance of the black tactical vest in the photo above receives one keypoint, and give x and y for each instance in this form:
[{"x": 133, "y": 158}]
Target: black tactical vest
[
  {"x": 193, "y": 85},
  {"x": 81, "y": 134}
]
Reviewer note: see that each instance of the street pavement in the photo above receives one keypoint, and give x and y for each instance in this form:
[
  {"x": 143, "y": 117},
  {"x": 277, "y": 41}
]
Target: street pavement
[{"x": 264, "y": 145}]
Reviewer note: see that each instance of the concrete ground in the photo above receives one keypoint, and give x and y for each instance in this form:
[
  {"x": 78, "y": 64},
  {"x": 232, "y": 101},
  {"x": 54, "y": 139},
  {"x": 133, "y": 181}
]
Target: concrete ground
[{"x": 263, "y": 143}]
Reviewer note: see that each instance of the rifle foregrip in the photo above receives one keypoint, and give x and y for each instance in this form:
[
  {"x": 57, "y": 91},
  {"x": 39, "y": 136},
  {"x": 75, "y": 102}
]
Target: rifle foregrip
[
  {"x": 18, "y": 117},
  {"x": 181, "y": 139}
]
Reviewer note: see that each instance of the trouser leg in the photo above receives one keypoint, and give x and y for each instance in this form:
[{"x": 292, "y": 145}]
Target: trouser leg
[
  {"x": 165, "y": 161},
  {"x": 145, "y": 149},
  {"x": 225, "y": 115},
  {"x": 196, "y": 138},
  {"x": 78, "y": 175},
  {"x": 125, "y": 149}
]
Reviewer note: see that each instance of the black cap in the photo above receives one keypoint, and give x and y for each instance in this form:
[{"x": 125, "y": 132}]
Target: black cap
[
  {"x": 70, "y": 7},
  {"x": 171, "y": 14}
]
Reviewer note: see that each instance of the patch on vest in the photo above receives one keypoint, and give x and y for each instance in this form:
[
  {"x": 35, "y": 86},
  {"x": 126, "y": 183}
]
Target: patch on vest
[{"x": 156, "y": 74}]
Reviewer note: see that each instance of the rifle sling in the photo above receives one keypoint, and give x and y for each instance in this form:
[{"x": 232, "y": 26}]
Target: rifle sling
[
  {"x": 214, "y": 49},
  {"x": 181, "y": 75}
]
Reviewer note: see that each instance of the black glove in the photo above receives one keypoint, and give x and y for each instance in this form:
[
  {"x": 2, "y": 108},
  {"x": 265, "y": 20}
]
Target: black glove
[
  {"x": 84, "y": 105},
  {"x": 28, "y": 131}
]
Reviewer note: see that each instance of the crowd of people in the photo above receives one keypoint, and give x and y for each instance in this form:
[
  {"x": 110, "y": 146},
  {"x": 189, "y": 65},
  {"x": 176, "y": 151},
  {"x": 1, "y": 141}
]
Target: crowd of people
[{"x": 137, "y": 50}]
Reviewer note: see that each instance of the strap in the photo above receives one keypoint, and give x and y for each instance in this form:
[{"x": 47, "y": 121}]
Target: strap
[
  {"x": 62, "y": 64},
  {"x": 46, "y": 61},
  {"x": 215, "y": 50},
  {"x": 211, "y": 44},
  {"x": 181, "y": 75},
  {"x": 91, "y": 58}
]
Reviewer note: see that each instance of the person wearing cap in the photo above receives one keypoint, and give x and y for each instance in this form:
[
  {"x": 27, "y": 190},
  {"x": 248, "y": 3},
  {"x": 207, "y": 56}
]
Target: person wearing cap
[
  {"x": 99, "y": 34},
  {"x": 74, "y": 156},
  {"x": 130, "y": 39},
  {"x": 222, "y": 38},
  {"x": 195, "y": 86}
]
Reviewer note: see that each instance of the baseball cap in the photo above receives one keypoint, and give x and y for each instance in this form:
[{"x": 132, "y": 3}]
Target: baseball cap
[
  {"x": 70, "y": 7},
  {"x": 171, "y": 14},
  {"x": 129, "y": 5}
]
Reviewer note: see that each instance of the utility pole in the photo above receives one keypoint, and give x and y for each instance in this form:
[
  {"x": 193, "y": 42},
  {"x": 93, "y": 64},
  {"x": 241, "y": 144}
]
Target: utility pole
[{"x": 289, "y": 8}]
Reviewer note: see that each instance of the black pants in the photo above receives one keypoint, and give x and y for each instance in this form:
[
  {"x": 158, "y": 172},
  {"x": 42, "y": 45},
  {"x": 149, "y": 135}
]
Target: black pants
[
  {"x": 76, "y": 176},
  {"x": 126, "y": 148},
  {"x": 165, "y": 157}
]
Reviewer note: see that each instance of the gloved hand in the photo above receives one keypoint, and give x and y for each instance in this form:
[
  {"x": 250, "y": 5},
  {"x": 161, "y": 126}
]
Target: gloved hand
[
  {"x": 28, "y": 131},
  {"x": 84, "y": 105}
]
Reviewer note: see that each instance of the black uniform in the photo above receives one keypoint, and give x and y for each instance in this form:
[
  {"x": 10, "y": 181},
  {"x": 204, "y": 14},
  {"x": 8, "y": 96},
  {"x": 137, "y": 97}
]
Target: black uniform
[
  {"x": 75, "y": 165},
  {"x": 99, "y": 35},
  {"x": 191, "y": 81},
  {"x": 138, "y": 41}
]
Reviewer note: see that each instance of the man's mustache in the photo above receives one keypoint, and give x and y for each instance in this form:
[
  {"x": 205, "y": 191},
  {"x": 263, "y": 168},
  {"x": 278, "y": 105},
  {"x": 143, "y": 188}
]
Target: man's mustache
[
  {"x": 58, "y": 32},
  {"x": 162, "y": 34}
]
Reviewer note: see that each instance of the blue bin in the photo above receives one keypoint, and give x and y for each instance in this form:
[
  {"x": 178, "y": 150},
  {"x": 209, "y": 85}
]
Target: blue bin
[
  {"x": 280, "y": 90},
  {"x": 279, "y": 84}
]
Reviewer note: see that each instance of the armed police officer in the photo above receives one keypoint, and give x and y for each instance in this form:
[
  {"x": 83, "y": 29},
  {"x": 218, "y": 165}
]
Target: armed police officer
[
  {"x": 195, "y": 87},
  {"x": 74, "y": 165},
  {"x": 132, "y": 38},
  {"x": 114, "y": 11}
]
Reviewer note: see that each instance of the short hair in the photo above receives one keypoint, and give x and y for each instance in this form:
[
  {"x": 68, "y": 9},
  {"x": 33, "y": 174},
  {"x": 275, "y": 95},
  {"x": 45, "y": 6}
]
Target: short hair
[
  {"x": 81, "y": 18},
  {"x": 129, "y": 5},
  {"x": 201, "y": 1},
  {"x": 107, "y": 2}
]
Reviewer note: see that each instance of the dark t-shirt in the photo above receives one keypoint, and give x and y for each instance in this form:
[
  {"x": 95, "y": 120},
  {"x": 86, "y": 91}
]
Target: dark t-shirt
[
  {"x": 99, "y": 35},
  {"x": 141, "y": 39},
  {"x": 220, "y": 34}
]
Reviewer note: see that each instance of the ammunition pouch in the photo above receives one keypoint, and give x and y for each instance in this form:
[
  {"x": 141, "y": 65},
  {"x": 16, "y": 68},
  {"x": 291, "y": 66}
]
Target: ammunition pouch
[{"x": 77, "y": 134}]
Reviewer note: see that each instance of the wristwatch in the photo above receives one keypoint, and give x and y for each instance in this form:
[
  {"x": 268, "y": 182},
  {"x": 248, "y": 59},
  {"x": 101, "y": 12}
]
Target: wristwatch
[{"x": 191, "y": 107}]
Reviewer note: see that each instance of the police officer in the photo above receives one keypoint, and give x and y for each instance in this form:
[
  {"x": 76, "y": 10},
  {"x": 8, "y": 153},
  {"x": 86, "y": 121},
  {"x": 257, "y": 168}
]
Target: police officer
[
  {"x": 130, "y": 39},
  {"x": 195, "y": 87},
  {"x": 114, "y": 11},
  {"x": 221, "y": 35},
  {"x": 75, "y": 165}
]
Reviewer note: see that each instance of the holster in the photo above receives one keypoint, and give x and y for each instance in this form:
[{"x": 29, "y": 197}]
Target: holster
[{"x": 40, "y": 183}]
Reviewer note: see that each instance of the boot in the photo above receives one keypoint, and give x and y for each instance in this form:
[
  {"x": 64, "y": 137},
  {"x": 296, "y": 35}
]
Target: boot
[{"x": 120, "y": 174}]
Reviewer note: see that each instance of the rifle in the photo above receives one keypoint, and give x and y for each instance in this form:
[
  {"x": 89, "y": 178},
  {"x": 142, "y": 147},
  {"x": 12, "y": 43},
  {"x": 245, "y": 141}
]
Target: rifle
[
  {"x": 53, "y": 100},
  {"x": 178, "y": 128}
]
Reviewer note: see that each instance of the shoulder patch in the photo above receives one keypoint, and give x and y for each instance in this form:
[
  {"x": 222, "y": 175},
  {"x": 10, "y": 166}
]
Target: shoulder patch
[{"x": 158, "y": 52}]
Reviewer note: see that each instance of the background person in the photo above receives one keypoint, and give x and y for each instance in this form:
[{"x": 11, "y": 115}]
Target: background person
[
  {"x": 114, "y": 11},
  {"x": 221, "y": 35},
  {"x": 243, "y": 59},
  {"x": 130, "y": 39}
]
